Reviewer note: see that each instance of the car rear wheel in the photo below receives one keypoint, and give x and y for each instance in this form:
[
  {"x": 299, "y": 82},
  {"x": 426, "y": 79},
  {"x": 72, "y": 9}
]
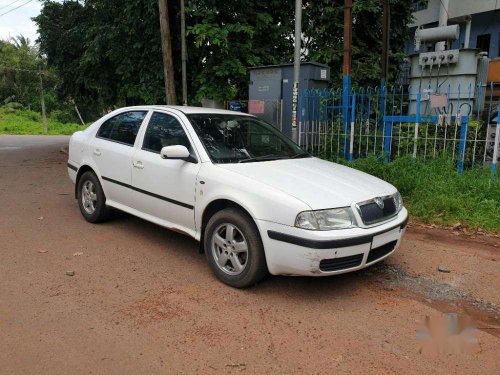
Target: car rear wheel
[
  {"x": 234, "y": 248},
  {"x": 91, "y": 198}
]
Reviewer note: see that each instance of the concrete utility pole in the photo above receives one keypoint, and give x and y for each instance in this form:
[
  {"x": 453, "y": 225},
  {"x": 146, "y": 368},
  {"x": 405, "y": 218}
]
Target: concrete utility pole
[
  {"x": 346, "y": 68},
  {"x": 166, "y": 46},
  {"x": 183, "y": 53},
  {"x": 296, "y": 71},
  {"x": 42, "y": 101},
  {"x": 78, "y": 113},
  {"x": 384, "y": 71},
  {"x": 386, "y": 22}
]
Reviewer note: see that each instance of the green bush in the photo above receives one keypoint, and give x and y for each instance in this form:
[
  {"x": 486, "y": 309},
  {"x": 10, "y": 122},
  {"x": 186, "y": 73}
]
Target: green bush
[
  {"x": 14, "y": 105},
  {"x": 31, "y": 115},
  {"x": 22, "y": 121},
  {"x": 64, "y": 117},
  {"x": 434, "y": 192}
]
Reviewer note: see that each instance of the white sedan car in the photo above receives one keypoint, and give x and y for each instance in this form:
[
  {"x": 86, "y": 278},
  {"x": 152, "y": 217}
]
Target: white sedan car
[{"x": 254, "y": 199}]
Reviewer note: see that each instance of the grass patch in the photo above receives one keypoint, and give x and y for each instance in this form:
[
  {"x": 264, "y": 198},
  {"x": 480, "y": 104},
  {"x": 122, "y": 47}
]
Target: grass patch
[
  {"x": 23, "y": 121},
  {"x": 435, "y": 193}
]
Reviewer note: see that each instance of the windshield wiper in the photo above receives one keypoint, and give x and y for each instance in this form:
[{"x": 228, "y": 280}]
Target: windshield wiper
[
  {"x": 264, "y": 158},
  {"x": 302, "y": 155}
]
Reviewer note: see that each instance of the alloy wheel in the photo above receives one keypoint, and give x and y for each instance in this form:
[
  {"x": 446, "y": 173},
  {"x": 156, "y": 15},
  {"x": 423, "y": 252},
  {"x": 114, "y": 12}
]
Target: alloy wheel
[
  {"x": 230, "y": 249},
  {"x": 89, "y": 197}
]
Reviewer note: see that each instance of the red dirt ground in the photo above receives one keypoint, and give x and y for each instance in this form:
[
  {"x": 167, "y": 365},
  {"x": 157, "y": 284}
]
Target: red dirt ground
[{"x": 143, "y": 300}]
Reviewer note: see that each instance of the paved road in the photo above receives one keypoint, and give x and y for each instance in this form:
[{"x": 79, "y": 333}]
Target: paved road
[
  {"x": 142, "y": 299},
  {"x": 26, "y": 142}
]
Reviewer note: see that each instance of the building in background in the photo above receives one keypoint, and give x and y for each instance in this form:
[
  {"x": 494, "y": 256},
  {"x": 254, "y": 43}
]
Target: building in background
[{"x": 480, "y": 17}]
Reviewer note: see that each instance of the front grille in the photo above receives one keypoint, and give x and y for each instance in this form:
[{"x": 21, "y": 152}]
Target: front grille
[
  {"x": 337, "y": 264},
  {"x": 381, "y": 251},
  {"x": 371, "y": 213}
]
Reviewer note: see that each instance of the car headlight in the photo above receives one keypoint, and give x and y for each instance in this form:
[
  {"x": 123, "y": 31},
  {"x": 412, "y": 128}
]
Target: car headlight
[
  {"x": 398, "y": 200},
  {"x": 335, "y": 218}
]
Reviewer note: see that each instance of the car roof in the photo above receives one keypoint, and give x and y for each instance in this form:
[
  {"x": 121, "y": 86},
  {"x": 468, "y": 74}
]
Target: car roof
[{"x": 189, "y": 110}]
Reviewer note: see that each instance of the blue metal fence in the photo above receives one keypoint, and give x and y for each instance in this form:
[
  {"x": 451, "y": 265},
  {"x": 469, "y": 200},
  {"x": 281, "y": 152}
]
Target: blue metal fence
[{"x": 389, "y": 122}]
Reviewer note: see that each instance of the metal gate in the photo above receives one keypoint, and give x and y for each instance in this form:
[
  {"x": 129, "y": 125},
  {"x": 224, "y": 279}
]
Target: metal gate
[{"x": 395, "y": 121}]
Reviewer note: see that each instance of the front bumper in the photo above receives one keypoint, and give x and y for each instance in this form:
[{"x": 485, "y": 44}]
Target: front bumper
[{"x": 294, "y": 251}]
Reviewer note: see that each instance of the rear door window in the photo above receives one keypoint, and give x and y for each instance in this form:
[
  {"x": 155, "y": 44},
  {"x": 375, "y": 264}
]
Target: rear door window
[{"x": 122, "y": 128}]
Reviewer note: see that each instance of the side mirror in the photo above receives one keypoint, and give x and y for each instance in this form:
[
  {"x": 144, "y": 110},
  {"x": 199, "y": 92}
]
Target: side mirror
[{"x": 177, "y": 152}]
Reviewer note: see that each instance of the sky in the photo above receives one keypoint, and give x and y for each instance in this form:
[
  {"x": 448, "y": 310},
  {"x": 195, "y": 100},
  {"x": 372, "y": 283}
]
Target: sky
[{"x": 18, "y": 21}]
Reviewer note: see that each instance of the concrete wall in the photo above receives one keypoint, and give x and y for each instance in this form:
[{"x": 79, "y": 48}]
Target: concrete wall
[
  {"x": 428, "y": 15},
  {"x": 482, "y": 23},
  {"x": 457, "y": 9}
]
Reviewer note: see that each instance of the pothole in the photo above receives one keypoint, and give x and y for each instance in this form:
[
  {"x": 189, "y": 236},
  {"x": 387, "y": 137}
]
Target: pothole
[{"x": 441, "y": 296}]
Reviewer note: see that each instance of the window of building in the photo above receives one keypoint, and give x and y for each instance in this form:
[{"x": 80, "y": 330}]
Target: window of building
[
  {"x": 419, "y": 5},
  {"x": 483, "y": 42}
]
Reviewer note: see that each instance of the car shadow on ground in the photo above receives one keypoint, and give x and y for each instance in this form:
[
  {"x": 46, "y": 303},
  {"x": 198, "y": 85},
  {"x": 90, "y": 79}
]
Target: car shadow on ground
[
  {"x": 154, "y": 234},
  {"x": 305, "y": 287}
]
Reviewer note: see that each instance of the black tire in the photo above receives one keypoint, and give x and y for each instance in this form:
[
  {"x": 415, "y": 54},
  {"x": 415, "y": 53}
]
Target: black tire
[
  {"x": 255, "y": 268},
  {"x": 101, "y": 211}
]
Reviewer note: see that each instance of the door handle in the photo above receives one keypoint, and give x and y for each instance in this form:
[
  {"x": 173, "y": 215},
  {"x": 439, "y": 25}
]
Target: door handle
[
  {"x": 138, "y": 165},
  {"x": 97, "y": 152}
]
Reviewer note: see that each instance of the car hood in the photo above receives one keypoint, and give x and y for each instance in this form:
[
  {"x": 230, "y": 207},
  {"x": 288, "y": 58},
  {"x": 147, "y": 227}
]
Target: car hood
[{"x": 318, "y": 183}]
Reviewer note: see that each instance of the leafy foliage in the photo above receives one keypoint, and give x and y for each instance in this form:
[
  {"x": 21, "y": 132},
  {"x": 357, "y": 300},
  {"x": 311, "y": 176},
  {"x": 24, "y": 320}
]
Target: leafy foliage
[
  {"x": 108, "y": 52},
  {"x": 20, "y": 68},
  {"x": 18, "y": 72},
  {"x": 323, "y": 37},
  {"x": 233, "y": 36}
]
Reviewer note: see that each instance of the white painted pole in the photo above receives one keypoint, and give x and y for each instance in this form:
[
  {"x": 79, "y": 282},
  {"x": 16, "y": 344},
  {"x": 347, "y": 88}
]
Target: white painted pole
[
  {"x": 296, "y": 71},
  {"x": 443, "y": 21},
  {"x": 468, "y": 24}
]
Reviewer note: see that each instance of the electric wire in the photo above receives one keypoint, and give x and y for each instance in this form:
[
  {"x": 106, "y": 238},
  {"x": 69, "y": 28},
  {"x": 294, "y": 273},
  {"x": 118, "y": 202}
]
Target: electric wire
[
  {"x": 13, "y": 9},
  {"x": 8, "y": 5},
  {"x": 446, "y": 10}
]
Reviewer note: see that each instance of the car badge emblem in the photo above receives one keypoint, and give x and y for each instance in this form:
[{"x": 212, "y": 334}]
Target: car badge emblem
[{"x": 379, "y": 202}]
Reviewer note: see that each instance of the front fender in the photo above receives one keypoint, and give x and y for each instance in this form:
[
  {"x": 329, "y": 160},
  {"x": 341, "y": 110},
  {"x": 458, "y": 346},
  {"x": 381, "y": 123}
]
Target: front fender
[{"x": 261, "y": 201}]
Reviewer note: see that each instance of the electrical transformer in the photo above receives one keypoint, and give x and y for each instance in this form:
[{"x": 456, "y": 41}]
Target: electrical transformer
[{"x": 274, "y": 84}]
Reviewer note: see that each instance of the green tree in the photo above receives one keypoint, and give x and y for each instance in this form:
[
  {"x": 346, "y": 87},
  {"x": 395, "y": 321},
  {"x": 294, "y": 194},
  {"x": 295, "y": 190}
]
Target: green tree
[
  {"x": 323, "y": 37},
  {"x": 63, "y": 28},
  {"x": 233, "y": 36},
  {"x": 19, "y": 80},
  {"x": 108, "y": 52}
]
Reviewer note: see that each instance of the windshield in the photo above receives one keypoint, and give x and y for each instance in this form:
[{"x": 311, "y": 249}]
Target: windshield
[{"x": 236, "y": 139}]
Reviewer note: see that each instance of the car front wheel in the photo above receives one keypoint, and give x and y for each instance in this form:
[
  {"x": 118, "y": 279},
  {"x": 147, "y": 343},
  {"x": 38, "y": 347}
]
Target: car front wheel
[{"x": 234, "y": 248}]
